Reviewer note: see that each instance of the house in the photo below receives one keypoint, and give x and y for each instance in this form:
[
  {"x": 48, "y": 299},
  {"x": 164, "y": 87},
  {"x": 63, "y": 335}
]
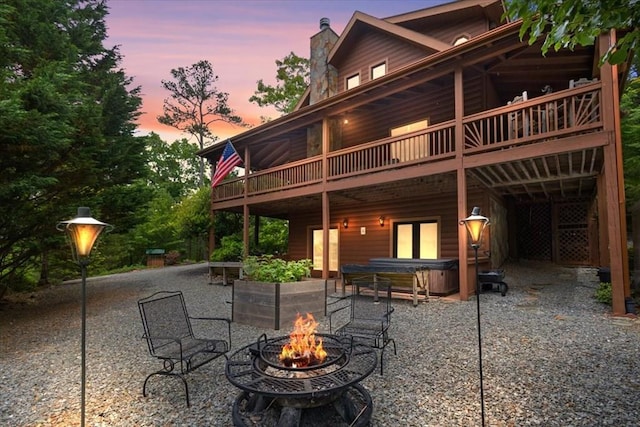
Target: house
[{"x": 412, "y": 120}]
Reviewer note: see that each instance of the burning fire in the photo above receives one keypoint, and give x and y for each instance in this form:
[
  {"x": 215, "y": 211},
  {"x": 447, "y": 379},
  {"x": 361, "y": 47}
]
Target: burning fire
[{"x": 303, "y": 349}]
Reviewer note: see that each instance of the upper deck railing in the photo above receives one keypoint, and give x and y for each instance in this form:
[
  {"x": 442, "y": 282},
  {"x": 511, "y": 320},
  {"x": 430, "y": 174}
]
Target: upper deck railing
[{"x": 556, "y": 115}]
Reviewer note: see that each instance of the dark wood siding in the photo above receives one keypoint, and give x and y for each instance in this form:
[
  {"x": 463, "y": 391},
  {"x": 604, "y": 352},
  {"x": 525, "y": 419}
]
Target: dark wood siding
[
  {"x": 356, "y": 248},
  {"x": 437, "y": 105},
  {"x": 448, "y": 33},
  {"x": 373, "y": 49},
  {"x": 447, "y": 30}
]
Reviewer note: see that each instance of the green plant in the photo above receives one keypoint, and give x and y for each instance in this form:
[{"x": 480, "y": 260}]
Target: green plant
[
  {"x": 266, "y": 268},
  {"x": 603, "y": 293},
  {"x": 172, "y": 258},
  {"x": 230, "y": 249}
]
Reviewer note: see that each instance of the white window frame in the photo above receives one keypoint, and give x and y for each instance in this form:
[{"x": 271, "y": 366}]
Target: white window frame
[
  {"x": 373, "y": 72},
  {"x": 436, "y": 220},
  {"x": 348, "y": 84},
  {"x": 460, "y": 38}
]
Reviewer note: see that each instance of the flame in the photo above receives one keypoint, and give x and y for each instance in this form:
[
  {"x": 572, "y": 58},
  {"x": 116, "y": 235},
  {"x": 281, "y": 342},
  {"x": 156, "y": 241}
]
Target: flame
[{"x": 303, "y": 349}]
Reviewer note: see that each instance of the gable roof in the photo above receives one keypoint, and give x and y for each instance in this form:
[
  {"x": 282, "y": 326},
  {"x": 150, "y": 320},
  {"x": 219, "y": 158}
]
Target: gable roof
[
  {"x": 491, "y": 9},
  {"x": 361, "y": 22}
]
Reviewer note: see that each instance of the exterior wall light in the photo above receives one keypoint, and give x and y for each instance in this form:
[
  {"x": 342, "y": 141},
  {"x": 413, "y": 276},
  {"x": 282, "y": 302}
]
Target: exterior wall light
[{"x": 345, "y": 223}]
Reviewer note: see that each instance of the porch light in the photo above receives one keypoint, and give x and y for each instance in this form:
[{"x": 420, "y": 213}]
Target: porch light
[
  {"x": 345, "y": 223},
  {"x": 83, "y": 231},
  {"x": 475, "y": 225},
  {"x": 381, "y": 221}
]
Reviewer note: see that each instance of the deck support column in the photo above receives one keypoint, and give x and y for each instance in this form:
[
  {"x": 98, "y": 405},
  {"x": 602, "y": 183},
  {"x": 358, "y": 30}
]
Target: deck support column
[
  {"x": 466, "y": 288},
  {"x": 326, "y": 211},
  {"x": 614, "y": 182}
]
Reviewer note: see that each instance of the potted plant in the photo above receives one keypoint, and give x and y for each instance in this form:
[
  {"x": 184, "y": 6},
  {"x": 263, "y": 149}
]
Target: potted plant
[{"x": 275, "y": 291}]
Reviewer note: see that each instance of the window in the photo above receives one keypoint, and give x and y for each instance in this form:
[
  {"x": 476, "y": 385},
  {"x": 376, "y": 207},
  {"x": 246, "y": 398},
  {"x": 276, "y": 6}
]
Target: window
[
  {"x": 410, "y": 127},
  {"x": 460, "y": 40},
  {"x": 378, "y": 70},
  {"x": 416, "y": 239},
  {"x": 411, "y": 148},
  {"x": 353, "y": 81},
  {"x": 317, "y": 249}
]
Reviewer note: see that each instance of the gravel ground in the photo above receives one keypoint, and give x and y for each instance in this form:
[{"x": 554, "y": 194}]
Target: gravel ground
[{"x": 551, "y": 357}]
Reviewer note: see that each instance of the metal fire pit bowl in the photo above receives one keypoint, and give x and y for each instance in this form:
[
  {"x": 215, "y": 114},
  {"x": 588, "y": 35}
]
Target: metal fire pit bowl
[
  {"x": 347, "y": 363},
  {"x": 327, "y": 394},
  {"x": 269, "y": 351}
]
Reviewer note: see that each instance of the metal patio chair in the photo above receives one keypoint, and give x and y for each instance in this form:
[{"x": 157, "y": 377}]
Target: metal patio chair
[
  {"x": 170, "y": 338},
  {"x": 369, "y": 314}
]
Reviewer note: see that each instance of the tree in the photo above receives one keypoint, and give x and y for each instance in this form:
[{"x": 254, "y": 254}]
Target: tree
[
  {"x": 292, "y": 77},
  {"x": 67, "y": 123},
  {"x": 569, "y": 23},
  {"x": 192, "y": 221},
  {"x": 174, "y": 166},
  {"x": 195, "y": 104},
  {"x": 630, "y": 125}
]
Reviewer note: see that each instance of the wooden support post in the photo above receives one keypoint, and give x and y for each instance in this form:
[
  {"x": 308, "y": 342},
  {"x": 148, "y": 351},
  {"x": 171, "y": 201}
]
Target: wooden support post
[{"x": 614, "y": 182}]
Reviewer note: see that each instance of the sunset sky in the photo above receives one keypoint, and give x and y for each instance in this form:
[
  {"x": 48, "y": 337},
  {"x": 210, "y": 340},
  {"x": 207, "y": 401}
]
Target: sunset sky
[{"x": 241, "y": 39}]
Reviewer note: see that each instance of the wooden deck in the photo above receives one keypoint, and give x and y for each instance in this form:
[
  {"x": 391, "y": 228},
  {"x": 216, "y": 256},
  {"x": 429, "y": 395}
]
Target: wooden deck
[{"x": 563, "y": 114}]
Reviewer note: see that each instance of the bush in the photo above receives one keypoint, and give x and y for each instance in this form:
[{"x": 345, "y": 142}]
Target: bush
[
  {"x": 603, "y": 293},
  {"x": 172, "y": 258},
  {"x": 269, "y": 269},
  {"x": 230, "y": 249}
]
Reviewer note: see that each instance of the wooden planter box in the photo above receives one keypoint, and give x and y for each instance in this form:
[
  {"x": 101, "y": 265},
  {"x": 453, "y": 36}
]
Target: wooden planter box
[{"x": 275, "y": 305}]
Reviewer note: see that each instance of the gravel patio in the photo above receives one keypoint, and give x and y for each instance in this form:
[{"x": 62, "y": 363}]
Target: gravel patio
[{"x": 552, "y": 356}]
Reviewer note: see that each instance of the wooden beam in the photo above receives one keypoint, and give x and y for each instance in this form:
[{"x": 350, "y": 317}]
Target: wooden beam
[
  {"x": 614, "y": 182},
  {"x": 547, "y": 148}
]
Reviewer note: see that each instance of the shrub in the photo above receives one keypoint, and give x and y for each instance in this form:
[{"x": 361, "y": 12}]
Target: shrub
[
  {"x": 230, "y": 249},
  {"x": 172, "y": 258},
  {"x": 269, "y": 269},
  {"x": 603, "y": 293}
]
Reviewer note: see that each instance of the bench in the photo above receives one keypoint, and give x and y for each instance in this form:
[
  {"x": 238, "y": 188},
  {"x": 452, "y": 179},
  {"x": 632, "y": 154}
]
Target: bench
[
  {"x": 417, "y": 276},
  {"x": 224, "y": 265},
  {"x": 442, "y": 272},
  {"x": 403, "y": 277},
  {"x": 170, "y": 338}
]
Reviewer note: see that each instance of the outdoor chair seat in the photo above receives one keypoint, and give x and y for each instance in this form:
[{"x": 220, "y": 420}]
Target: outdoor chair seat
[{"x": 169, "y": 334}]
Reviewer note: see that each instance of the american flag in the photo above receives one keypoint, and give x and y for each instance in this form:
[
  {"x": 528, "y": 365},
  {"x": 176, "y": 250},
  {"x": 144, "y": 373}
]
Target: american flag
[{"x": 228, "y": 160}]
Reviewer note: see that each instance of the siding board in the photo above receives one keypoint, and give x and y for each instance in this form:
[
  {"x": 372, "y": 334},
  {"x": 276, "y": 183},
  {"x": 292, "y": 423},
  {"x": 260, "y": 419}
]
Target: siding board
[{"x": 355, "y": 248}]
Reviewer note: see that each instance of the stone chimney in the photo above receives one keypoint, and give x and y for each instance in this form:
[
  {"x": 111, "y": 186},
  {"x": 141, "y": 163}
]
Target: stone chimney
[
  {"x": 323, "y": 77},
  {"x": 323, "y": 83}
]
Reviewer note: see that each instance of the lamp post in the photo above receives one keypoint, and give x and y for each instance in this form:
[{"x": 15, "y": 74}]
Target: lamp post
[
  {"x": 83, "y": 231},
  {"x": 475, "y": 225}
]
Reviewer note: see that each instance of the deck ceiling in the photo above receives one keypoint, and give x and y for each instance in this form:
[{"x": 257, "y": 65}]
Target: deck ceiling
[
  {"x": 558, "y": 176},
  {"x": 553, "y": 177}
]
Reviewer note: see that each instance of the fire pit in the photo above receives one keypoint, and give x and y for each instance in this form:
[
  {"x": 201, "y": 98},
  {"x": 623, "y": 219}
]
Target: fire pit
[{"x": 304, "y": 390}]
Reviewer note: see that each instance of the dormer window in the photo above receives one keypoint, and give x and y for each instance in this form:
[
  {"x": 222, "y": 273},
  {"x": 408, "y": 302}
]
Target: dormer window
[
  {"x": 378, "y": 70},
  {"x": 460, "y": 39},
  {"x": 353, "y": 81}
]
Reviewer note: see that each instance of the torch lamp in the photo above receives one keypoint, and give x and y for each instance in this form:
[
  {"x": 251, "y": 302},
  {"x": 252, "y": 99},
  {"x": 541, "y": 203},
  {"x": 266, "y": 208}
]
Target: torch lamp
[
  {"x": 475, "y": 225},
  {"x": 83, "y": 231}
]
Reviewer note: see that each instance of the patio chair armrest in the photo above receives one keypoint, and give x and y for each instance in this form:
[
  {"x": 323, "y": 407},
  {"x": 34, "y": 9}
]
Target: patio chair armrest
[
  {"x": 332, "y": 312},
  {"x": 217, "y": 319}
]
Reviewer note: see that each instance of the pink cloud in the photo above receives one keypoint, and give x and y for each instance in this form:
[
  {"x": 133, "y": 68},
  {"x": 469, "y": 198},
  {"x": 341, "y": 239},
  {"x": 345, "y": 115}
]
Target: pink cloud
[{"x": 241, "y": 39}]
